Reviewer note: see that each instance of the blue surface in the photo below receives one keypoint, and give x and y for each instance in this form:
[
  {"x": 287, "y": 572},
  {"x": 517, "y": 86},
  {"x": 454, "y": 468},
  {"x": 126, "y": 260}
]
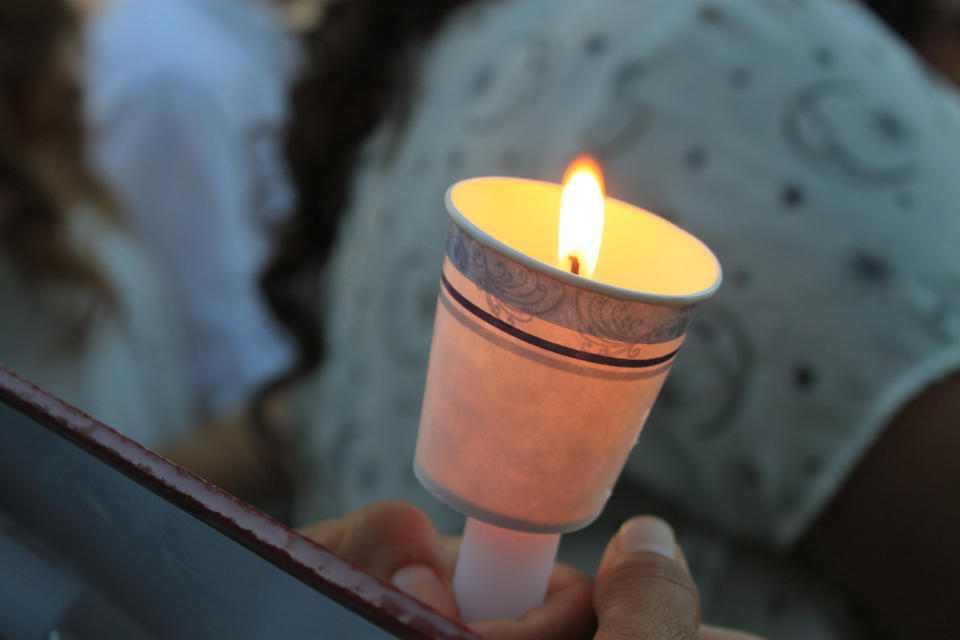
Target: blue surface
[{"x": 86, "y": 551}]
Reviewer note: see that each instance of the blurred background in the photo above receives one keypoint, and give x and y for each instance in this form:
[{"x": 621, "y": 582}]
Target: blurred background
[{"x": 222, "y": 223}]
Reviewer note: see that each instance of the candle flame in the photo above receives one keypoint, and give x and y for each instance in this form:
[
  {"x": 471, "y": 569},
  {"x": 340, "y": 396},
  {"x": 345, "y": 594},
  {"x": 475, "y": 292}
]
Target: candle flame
[{"x": 581, "y": 217}]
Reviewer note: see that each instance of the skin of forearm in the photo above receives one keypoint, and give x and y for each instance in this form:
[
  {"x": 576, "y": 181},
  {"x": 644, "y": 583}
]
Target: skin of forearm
[{"x": 227, "y": 453}]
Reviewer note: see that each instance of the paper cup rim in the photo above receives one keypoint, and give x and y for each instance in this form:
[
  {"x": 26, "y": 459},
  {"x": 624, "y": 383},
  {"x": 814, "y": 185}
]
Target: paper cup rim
[{"x": 602, "y": 288}]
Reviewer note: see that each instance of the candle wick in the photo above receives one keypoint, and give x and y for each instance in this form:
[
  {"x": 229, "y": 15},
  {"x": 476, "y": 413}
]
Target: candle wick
[{"x": 574, "y": 265}]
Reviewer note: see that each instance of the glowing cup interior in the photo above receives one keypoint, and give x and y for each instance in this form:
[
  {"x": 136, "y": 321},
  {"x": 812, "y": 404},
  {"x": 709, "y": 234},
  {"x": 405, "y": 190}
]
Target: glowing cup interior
[{"x": 640, "y": 252}]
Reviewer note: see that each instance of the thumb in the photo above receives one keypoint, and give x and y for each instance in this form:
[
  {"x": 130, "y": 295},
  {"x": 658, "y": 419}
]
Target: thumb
[{"x": 643, "y": 590}]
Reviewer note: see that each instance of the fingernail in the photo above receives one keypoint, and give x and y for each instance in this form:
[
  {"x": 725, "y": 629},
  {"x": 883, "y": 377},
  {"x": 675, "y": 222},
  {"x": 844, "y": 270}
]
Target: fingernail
[
  {"x": 647, "y": 534},
  {"x": 422, "y": 583}
]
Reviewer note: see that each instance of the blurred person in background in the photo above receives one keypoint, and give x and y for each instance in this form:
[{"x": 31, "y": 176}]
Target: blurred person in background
[
  {"x": 811, "y": 417},
  {"x": 186, "y": 103},
  {"x": 83, "y": 313},
  {"x": 136, "y": 297}
]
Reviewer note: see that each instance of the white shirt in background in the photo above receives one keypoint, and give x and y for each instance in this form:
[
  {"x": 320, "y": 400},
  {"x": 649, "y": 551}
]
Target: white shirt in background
[{"x": 186, "y": 102}]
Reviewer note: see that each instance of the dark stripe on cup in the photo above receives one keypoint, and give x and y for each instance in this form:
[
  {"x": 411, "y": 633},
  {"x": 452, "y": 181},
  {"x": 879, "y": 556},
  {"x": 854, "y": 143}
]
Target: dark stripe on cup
[{"x": 553, "y": 347}]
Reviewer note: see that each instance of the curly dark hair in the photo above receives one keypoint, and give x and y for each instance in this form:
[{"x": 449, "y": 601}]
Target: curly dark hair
[
  {"x": 906, "y": 17},
  {"x": 358, "y": 57},
  {"x": 42, "y": 172}
]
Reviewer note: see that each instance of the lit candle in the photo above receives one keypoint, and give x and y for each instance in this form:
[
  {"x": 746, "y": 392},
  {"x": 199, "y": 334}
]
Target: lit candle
[
  {"x": 581, "y": 218},
  {"x": 541, "y": 375}
]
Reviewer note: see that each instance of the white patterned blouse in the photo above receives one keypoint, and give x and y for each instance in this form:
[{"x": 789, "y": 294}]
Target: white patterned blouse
[{"x": 800, "y": 140}]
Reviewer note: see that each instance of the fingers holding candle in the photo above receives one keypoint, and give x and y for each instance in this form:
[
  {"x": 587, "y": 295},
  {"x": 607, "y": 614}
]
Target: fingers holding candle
[
  {"x": 643, "y": 586},
  {"x": 395, "y": 541},
  {"x": 566, "y": 613},
  {"x": 644, "y": 589}
]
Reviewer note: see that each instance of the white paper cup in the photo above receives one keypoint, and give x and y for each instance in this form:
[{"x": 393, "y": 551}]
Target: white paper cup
[{"x": 539, "y": 380}]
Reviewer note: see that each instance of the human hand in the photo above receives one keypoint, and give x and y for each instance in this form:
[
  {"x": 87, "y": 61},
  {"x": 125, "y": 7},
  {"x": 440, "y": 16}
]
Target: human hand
[
  {"x": 644, "y": 590},
  {"x": 397, "y": 542},
  {"x": 643, "y": 587}
]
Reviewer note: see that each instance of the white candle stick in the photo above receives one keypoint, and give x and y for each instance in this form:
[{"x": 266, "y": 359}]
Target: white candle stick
[{"x": 502, "y": 574}]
